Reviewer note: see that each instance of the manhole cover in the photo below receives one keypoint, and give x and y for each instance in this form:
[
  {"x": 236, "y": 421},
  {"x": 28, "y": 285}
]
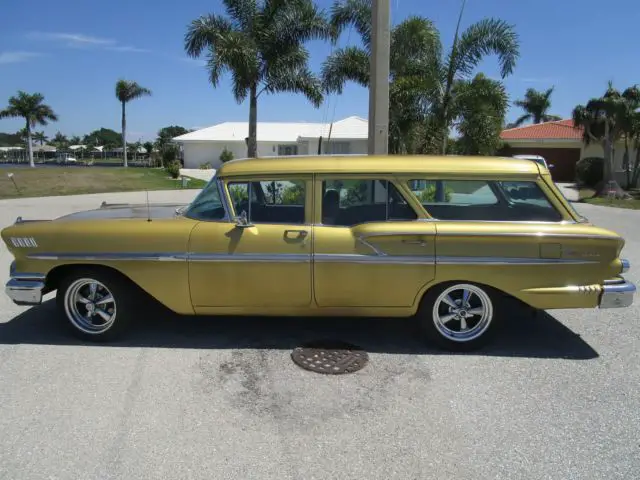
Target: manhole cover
[{"x": 330, "y": 356}]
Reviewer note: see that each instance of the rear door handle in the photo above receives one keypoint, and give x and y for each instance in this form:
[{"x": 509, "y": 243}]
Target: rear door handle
[{"x": 422, "y": 243}]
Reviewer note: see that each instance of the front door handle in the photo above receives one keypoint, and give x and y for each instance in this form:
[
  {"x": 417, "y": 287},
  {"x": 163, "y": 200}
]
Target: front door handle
[{"x": 300, "y": 233}]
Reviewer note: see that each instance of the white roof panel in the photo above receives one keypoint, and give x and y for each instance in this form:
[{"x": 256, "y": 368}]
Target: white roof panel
[{"x": 351, "y": 127}]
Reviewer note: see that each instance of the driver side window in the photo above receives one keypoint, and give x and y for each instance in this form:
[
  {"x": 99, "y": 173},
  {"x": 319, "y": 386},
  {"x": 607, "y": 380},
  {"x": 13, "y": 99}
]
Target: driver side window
[{"x": 270, "y": 201}]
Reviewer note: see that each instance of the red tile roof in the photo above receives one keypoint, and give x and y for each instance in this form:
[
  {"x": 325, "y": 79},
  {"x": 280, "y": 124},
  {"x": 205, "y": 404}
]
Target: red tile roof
[{"x": 560, "y": 130}]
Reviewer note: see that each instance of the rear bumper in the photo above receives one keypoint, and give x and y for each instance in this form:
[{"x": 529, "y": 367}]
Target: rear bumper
[
  {"x": 25, "y": 288},
  {"x": 617, "y": 293}
]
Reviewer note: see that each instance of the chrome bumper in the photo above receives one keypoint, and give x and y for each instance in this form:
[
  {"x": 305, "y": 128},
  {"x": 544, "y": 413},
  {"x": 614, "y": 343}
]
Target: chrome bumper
[
  {"x": 25, "y": 288},
  {"x": 617, "y": 293}
]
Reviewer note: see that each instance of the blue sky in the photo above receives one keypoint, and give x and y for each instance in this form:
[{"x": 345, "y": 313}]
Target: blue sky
[{"x": 75, "y": 52}]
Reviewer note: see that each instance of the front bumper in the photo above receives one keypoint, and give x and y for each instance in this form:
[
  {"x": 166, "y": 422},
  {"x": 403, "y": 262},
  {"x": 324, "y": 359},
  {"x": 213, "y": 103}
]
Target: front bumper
[
  {"x": 617, "y": 293},
  {"x": 25, "y": 288}
]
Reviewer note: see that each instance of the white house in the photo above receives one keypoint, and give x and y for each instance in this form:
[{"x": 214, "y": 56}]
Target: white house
[{"x": 347, "y": 136}]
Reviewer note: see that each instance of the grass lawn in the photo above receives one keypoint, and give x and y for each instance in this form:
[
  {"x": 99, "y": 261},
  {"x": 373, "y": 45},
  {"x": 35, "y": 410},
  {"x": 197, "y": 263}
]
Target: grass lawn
[
  {"x": 48, "y": 181},
  {"x": 587, "y": 196}
]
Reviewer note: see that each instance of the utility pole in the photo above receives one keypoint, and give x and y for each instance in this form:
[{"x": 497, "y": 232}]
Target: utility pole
[{"x": 379, "y": 78}]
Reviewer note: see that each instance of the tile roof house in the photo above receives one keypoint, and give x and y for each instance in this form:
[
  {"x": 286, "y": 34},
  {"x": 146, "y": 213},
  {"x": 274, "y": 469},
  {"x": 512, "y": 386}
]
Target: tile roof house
[
  {"x": 560, "y": 143},
  {"x": 348, "y": 135}
]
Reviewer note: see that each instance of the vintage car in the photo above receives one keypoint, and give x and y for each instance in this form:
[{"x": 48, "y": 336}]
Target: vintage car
[{"x": 444, "y": 240}]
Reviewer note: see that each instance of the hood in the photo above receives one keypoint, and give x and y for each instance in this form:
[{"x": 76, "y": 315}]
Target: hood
[{"x": 111, "y": 211}]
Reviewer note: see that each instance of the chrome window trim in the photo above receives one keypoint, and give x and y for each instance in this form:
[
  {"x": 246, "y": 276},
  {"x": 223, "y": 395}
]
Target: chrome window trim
[{"x": 488, "y": 181}]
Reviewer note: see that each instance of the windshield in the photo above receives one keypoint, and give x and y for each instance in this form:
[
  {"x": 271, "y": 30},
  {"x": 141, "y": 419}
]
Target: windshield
[{"x": 207, "y": 205}]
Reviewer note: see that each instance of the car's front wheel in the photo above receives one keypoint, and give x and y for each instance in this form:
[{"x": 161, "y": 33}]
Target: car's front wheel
[
  {"x": 96, "y": 304},
  {"x": 459, "y": 316}
]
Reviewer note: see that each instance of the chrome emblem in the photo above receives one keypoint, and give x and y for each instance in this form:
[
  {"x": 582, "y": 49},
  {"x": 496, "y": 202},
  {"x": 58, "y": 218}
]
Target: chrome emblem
[{"x": 24, "y": 242}]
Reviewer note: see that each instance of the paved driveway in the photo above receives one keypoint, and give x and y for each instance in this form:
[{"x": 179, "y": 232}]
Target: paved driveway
[{"x": 556, "y": 398}]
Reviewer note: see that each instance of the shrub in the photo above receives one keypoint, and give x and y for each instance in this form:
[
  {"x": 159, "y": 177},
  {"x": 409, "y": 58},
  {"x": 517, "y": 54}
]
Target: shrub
[
  {"x": 590, "y": 171},
  {"x": 173, "y": 169},
  {"x": 206, "y": 166},
  {"x": 226, "y": 155},
  {"x": 169, "y": 155}
]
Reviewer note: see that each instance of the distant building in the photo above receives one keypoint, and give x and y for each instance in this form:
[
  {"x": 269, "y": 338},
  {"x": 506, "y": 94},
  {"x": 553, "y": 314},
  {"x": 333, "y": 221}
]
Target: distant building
[
  {"x": 561, "y": 144},
  {"x": 347, "y": 136}
]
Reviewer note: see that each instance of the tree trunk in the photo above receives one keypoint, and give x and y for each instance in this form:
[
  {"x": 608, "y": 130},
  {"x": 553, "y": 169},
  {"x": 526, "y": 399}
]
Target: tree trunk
[
  {"x": 252, "y": 143},
  {"x": 609, "y": 186},
  {"x": 626, "y": 161},
  {"x": 29, "y": 146},
  {"x": 124, "y": 135},
  {"x": 636, "y": 168}
]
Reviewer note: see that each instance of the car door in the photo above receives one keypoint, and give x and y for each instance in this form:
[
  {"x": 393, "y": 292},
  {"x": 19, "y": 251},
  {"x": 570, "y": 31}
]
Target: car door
[
  {"x": 262, "y": 261},
  {"x": 369, "y": 248}
]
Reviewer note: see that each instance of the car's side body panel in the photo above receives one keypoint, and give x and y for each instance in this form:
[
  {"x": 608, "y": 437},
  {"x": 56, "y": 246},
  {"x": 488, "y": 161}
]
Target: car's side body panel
[
  {"x": 150, "y": 253},
  {"x": 545, "y": 266}
]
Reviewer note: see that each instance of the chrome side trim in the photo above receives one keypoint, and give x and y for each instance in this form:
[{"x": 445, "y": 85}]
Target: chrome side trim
[
  {"x": 381, "y": 258},
  {"x": 132, "y": 256},
  {"x": 528, "y": 234},
  {"x": 447, "y": 260},
  {"x": 375, "y": 259},
  {"x": 626, "y": 265},
  {"x": 250, "y": 257},
  {"x": 376, "y": 250},
  {"x": 617, "y": 295}
]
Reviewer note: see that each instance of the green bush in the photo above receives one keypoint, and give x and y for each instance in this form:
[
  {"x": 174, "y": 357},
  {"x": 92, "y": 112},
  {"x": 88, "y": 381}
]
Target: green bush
[
  {"x": 206, "y": 166},
  {"x": 590, "y": 171},
  {"x": 169, "y": 156},
  {"x": 428, "y": 194},
  {"x": 226, "y": 155},
  {"x": 173, "y": 169}
]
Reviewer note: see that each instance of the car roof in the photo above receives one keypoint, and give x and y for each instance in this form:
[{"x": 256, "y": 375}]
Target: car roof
[{"x": 432, "y": 164}]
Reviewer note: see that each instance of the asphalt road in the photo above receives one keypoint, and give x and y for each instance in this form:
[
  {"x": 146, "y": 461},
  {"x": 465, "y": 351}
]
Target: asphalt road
[{"x": 557, "y": 397}]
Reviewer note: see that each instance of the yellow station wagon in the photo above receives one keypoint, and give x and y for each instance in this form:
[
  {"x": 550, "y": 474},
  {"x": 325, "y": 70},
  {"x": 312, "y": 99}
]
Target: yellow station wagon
[{"x": 441, "y": 239}]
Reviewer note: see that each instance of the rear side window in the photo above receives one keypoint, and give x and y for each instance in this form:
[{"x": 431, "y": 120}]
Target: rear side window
[{"x": 484, "y": 200}]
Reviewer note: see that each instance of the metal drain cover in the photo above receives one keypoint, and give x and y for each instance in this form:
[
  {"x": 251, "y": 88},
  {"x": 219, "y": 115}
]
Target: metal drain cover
[{"x": 330, "y": 356}]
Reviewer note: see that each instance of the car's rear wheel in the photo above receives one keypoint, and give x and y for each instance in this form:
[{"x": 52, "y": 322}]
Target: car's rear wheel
[
  {"x": 97, "y": 305},
  {"x": 459, "y": 316}
]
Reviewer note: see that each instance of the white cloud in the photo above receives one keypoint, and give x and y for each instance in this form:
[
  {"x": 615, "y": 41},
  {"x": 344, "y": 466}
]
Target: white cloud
[
  {"x": 80, "y": 40},
  {"x": 127, "y": 48},
  {"x": 16, "y": 57},
  {"x": 193, "y": 61},
  {"x": 72, "y": 39}
]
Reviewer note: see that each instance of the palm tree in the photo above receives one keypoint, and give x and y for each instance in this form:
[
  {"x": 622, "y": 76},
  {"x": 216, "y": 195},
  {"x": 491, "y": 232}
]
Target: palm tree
[
  {"x": 127, "y": 90},
  {"x": 60, "y": 140},
  {"x": 482, "y": 104},
  {"x": 40, "y": 137},
  {"x": 417, "y": 58},
  {"x": 536, "y": 105},
  {"x": 33, "y": 110},
  {"x": 604, "y": 121},
  {"x": 262, "y": 45}
]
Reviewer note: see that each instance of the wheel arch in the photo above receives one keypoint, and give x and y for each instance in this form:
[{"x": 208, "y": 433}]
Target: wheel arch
[{"x": 502, "y": 295}]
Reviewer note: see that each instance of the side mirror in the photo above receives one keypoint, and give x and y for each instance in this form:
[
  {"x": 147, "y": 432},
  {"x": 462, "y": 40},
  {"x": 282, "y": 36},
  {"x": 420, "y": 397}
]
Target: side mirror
[
  {"x": 242, "y": 221},
  {"x": 551, "y": 165}
]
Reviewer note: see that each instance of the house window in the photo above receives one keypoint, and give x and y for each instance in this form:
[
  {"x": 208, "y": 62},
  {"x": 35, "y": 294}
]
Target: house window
[
  {"x": 285, "y": 150},
  {"x": 337, "y": 148}
]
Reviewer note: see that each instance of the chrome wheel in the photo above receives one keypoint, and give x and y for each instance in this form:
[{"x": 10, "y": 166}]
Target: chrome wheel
[
  {"x": 90, "y": 306},
  {"x": 462, "y": 312}
]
